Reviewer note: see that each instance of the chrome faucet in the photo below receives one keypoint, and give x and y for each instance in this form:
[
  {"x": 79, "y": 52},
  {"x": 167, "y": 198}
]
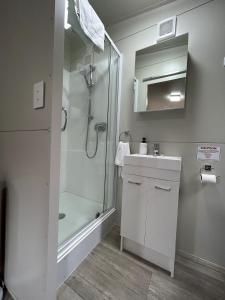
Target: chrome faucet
[{"x": 156, "y": 149}]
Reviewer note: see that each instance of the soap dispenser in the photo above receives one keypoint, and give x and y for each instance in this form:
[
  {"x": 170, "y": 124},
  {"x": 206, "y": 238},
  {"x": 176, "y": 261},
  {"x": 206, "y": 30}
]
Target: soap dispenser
[{"x": 143, "y": 147}]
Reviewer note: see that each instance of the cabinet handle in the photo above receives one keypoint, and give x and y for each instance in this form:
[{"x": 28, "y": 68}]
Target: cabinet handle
[
  {"x": 133, "y": 182},
  {"x": 163, "y": 188}
]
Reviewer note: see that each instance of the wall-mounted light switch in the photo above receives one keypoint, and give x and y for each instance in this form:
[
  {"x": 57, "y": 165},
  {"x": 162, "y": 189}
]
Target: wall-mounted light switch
[{"x": 38, "y": 95}]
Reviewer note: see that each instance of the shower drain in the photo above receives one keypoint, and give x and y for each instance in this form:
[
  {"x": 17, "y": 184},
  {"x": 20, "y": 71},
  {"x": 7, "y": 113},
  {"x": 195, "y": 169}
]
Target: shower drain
[
  {"x": 97, "y": 215},
  {"x": 62, "y": 216}
]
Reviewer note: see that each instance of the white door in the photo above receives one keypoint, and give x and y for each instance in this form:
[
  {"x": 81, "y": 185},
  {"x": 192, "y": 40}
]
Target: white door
[
  {"x": 133, "y": 209},
  {"x": 161, "y": 221}
]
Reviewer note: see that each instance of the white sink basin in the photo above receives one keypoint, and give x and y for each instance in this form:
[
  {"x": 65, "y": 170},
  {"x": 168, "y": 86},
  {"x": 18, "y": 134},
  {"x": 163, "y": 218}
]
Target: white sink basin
[{"x": 157, "y": 162}]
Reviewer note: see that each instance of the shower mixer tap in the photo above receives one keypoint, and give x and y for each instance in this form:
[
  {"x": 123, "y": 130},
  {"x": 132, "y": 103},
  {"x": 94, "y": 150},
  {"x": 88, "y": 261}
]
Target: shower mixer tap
[{"x": 101, "y": 126}]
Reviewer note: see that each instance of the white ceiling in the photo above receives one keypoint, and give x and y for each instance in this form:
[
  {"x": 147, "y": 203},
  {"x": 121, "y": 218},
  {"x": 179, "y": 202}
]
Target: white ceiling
[{"x": 113, "y": 11}]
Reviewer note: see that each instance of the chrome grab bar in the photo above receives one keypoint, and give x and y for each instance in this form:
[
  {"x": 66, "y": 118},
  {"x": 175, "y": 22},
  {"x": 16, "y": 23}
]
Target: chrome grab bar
[
  {"x": 167, "y": 189},
  {"x": 66, "y": 117},
  {"x": 132, "y": 182}
]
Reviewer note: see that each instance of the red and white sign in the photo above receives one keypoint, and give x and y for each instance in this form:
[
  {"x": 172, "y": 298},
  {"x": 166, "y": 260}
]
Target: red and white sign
[{"x": 208, "y": 152}]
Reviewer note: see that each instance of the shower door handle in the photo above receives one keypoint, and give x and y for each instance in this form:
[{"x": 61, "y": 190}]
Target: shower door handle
[{"x": 66, "y": 117}]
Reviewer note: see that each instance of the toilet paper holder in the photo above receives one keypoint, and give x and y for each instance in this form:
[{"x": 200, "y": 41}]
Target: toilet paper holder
[{"x": 208, "y": 168}]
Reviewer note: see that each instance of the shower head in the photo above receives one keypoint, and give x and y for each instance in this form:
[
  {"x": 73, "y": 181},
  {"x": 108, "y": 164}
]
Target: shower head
[{"x": 87, "y": 71}]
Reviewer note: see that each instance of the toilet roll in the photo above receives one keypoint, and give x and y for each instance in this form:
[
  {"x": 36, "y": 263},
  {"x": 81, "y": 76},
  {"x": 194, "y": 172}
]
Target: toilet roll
[{"x": 208, "y": 178}]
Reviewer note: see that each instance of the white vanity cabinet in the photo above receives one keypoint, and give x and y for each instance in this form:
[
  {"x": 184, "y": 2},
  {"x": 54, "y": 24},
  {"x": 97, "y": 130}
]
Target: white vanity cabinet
[
  {"x": 150, "y": 207},
  {"x": 134, "y": 208}
]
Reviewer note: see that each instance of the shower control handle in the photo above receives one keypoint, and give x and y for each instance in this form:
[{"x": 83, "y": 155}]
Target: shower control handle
[{"x": 101, "y": 126}]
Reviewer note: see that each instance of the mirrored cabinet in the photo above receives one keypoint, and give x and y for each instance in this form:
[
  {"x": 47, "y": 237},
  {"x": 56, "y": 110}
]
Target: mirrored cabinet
[{"x": 160, "y": 76}]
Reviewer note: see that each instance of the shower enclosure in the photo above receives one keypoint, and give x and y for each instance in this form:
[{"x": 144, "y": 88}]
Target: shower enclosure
[{"x": 88, "y": 138}]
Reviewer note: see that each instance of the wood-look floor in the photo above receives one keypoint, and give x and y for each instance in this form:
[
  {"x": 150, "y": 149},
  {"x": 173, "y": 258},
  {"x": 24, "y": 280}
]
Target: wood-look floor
[
  {"x": 8, "y": 297},
  {"x": 109, "y": 274}
]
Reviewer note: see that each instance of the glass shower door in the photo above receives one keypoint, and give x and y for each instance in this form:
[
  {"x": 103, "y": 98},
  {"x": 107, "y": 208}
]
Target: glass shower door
[{"x": 88, "y": 134}]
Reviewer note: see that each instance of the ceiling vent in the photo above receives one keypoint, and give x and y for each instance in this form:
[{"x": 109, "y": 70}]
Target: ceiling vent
[{"x": 166, "y": 29}]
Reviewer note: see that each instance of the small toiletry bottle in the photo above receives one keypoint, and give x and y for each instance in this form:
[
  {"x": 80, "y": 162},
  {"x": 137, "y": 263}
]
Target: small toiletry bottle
[{"x": 143, "y": 147}]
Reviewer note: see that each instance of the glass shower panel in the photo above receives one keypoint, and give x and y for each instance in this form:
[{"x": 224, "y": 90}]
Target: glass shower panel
[{"x": 87, "y": 124}]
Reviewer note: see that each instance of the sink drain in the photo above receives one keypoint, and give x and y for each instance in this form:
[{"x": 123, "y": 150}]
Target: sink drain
[{"x": 62, "y": 216}]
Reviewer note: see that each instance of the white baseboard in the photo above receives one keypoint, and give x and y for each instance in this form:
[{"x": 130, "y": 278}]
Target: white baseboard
[
  {"x": 201, "y": 261},
  {"x": 77, "y": 249}
]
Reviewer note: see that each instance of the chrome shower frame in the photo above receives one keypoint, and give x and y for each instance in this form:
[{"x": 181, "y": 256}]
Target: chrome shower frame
[{"x": 89, "y": 236}]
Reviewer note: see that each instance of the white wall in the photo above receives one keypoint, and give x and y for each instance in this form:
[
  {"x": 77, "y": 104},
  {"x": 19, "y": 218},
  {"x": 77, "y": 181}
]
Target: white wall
[
  {"x": 201, "y": 219},
  {"x": 29, "y": 154},
  {"x": 24, "y": 161}
]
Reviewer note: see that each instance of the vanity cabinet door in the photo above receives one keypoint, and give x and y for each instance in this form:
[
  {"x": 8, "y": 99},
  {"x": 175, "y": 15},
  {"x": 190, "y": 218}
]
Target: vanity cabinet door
[
  {"x": 133, "y": 209},
  {"x": 161, "y": 221}
]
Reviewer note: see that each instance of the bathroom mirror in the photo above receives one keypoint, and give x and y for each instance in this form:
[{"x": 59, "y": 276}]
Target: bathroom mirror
[{"x": 160, "y": 76}]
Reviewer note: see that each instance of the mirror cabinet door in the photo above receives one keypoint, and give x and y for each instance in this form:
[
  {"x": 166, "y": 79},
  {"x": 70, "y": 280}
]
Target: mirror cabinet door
[{"x": 160, "y": 76}]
